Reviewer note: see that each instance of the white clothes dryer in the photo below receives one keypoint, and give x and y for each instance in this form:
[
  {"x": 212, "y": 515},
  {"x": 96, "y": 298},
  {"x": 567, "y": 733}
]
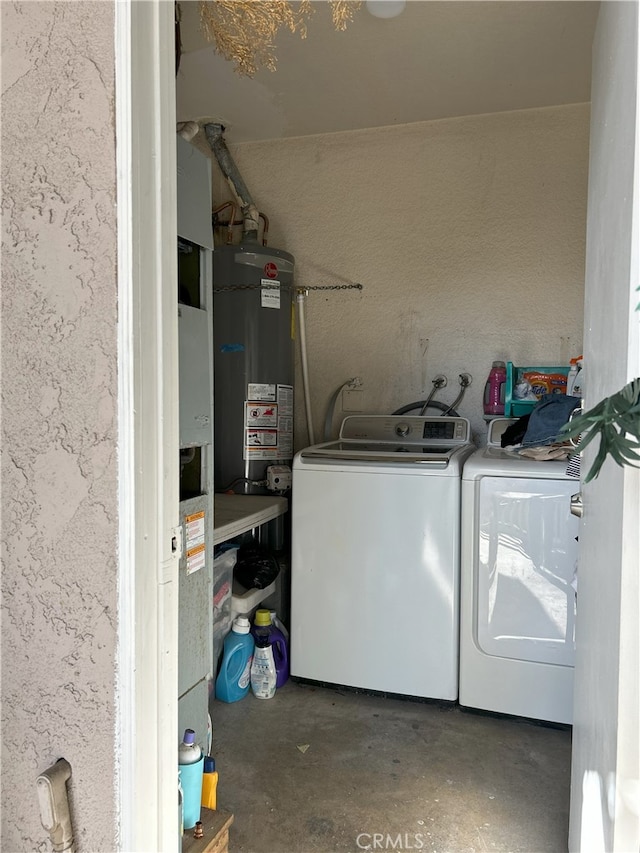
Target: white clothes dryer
[
  {"x": 375, "y": 558},
  {"x": 518, "y": 559}
]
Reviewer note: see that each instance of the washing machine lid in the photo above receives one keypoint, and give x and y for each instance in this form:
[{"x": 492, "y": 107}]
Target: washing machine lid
[
  {"x": 401, "y": 440},
  {"x": 357, "y": 451}
]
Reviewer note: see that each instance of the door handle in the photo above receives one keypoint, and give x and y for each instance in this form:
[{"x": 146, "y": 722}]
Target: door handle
[{"x": 576, "y": 505}]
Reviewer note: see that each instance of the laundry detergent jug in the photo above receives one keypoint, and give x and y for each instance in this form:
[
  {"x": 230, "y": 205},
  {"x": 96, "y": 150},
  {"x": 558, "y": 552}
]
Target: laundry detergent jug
[
  {"x": 494, "y": 389},
  {"x": 234, "y": 678},
  {"x": 264, "y": 625}
]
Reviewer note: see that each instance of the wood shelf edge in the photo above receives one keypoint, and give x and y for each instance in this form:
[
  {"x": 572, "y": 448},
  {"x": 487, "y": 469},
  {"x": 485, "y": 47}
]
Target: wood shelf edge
[{"x": 215, "y": 825}]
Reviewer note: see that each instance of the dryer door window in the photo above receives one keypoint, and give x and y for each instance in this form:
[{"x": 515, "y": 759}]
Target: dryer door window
[{"x": 525, "y": 559}]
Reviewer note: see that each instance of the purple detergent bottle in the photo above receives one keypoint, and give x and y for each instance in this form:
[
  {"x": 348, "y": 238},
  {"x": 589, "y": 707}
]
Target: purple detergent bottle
[{"x": 262, "y": 625}]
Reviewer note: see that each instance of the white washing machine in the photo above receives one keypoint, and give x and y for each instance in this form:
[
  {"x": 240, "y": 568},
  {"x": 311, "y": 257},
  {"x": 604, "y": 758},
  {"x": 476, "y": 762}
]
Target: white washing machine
[
  {"x": 517, "y": 609},
  {"x": 376, "y": 557}
]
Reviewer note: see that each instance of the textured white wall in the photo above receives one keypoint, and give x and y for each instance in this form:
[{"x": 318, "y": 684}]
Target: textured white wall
[
  {"x": 605, "y": 795},
  {"x": 59, "y": 533},
  {"x": 468, "y": 236}
]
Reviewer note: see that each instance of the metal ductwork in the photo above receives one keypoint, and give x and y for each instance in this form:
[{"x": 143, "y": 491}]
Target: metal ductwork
[{"x": 250, "y": 214}]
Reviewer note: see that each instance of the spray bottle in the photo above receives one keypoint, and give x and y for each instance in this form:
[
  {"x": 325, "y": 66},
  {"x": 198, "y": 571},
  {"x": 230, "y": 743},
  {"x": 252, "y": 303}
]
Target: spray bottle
[{"x": 190, "y": 764}]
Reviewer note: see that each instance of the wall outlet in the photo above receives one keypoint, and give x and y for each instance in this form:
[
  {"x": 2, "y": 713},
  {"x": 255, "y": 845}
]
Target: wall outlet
[{"x": 353, "y": 400}]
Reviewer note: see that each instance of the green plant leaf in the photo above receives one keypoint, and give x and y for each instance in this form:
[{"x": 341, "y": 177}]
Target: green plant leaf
[
  {"x": 616, "y": 420},
  {"x": 627, "y": 442},
  {"x": 620, "y": 456},
  {"x": 586, "y": 438},
  {"x": 597, "y": 463}
]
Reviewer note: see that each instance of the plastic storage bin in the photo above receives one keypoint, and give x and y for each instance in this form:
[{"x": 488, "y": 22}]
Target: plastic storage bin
[
  {"x": 222, "y": 595},
  {"x": 515, "y": 408}
]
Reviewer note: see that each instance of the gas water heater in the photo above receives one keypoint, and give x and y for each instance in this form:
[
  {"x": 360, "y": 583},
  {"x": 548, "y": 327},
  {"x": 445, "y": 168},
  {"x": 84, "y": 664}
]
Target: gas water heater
[{"x": 253, "y": 323}]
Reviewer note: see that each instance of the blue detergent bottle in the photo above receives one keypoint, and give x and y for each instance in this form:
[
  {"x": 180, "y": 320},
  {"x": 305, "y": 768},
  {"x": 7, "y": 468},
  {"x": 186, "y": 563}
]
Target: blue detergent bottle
[
  {"x": 263, "y": 624},
  {"x": 234, "y": 677}
]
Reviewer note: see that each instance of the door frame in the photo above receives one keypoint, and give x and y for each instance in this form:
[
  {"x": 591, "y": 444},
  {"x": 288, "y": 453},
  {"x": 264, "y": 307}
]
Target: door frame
[
  {"x": 605, "y": 797},
  {"x": 146, "y": 737},
  {"x": 148, "y": 424}
]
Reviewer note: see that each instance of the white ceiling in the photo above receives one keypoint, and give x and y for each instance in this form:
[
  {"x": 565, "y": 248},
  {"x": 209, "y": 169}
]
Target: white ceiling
[{"x": 436, "y": 60}]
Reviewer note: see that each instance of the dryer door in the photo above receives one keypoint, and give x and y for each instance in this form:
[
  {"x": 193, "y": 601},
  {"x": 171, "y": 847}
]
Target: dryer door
[{"x": 526, "y": 554}]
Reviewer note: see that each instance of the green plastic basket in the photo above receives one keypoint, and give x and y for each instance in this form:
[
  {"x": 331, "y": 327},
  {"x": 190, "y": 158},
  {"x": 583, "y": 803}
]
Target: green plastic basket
[{"x": 514, "y": 408}]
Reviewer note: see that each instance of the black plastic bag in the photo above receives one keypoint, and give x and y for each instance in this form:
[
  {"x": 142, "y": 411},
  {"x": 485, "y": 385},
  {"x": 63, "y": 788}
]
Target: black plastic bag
[{"x": 256, "y": 567}]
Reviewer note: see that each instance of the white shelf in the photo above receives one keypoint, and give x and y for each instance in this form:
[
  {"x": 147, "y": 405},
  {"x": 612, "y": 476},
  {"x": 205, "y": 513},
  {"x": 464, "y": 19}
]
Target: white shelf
[
  {"x": 236, "y": 514},
  {"x": 243, "y": 601}
]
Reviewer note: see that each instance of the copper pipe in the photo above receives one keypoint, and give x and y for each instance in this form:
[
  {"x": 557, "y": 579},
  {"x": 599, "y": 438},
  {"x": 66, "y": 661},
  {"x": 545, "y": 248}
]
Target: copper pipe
[{"x": 231, "y": 221}]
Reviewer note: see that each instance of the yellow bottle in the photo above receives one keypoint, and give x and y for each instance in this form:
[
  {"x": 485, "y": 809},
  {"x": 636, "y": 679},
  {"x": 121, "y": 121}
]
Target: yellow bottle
[{"x": 209, "y": 783}]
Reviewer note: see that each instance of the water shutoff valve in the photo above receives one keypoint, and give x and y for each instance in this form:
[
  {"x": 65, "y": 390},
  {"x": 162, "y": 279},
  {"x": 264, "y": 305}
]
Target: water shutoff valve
[{"x": 278, "y": 478}]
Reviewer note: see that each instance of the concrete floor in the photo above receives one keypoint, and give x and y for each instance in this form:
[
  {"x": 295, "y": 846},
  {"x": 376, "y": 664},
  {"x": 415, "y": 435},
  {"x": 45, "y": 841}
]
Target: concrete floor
[{"x": 387, "y": 774}]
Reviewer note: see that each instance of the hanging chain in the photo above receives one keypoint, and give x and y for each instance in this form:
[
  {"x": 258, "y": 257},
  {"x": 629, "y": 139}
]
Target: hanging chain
[
  {"x": 286, "y": 287},
  {"x": 332, "y": 287}
]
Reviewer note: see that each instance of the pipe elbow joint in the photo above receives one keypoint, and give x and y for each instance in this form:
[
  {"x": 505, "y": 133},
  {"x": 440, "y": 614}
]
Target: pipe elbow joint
[{"x": 54, "y": 805}]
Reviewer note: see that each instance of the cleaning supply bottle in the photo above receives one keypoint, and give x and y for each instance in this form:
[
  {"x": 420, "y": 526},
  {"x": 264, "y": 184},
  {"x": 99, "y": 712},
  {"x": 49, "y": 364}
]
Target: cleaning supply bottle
[
  {"x": 278, "y": 624},
  {"x": 578, "y": 383},
  {"x": 571, "y": 376},
  {"x": 263, "y": 667},
  {"x": 279, "y": 637},
  {"x": 209, "y": 784},
  {"x": 190, "y": 765},
  {"x": 234, "y": 677},
  {"x": 264, "y": 623},
  {"x": 494, "y": 389}
]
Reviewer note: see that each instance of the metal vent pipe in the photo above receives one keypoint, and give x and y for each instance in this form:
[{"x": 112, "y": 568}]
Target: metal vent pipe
[{"x": 250, "y": 214}]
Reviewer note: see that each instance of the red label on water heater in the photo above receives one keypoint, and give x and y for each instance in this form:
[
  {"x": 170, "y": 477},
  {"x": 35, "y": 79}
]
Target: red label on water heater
[{"x": 271, "y": 270}]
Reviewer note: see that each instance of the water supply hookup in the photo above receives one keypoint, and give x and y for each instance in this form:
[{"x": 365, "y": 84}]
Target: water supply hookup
[
  {"x": 440, "y": 381},
  {"x": 464, "y": 379}
]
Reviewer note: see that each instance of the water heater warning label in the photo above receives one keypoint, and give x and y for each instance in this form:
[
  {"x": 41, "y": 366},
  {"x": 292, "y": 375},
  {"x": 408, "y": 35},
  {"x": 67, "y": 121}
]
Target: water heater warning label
[
  {"x": 285, "y": 421},
  {"x": 270, "y": 293},
  {"x": 261, "y": 444},
  {"x": 268, "y": 422},
  {"x": 262, "y": 437},
  {"x": 261, "y": 415},
  {"x": 258, "y": 391}
]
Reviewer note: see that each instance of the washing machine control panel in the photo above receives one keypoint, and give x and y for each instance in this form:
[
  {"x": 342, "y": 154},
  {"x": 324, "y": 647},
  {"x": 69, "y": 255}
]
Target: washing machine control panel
[{"x": 415, "y": 430}]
